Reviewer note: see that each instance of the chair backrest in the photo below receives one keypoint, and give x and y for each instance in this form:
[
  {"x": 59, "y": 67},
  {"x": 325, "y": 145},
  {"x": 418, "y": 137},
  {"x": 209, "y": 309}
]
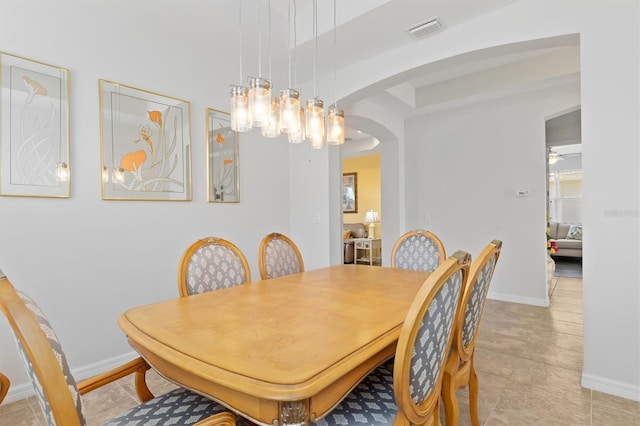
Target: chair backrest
[
  {"x": 211, "y": 264},
  {"x": 55, "y": 387},
  {"x": 418, "y": 250},
  {"x": 473, "y": 298},
  {"x": 425, "y": 340},
  {"x": 278, "y": 256},
  {"x": 4, "y": 386}
]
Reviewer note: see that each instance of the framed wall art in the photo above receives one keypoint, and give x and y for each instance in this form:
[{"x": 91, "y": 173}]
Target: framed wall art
[
  {"x": 34, "y": 150},
  {"x": 350, "y": 193},
  {"x": 145, "y": 144},
  {"x": 223, "y": 185}
]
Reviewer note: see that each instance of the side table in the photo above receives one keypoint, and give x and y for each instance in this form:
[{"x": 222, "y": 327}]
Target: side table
[{"x": 365, "y": 248}]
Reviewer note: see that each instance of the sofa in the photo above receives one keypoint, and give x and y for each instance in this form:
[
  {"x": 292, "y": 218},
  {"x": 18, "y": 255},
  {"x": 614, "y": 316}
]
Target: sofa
[
  {"x": 567, "y": 238},
  {"x": 351, "y": 231}
]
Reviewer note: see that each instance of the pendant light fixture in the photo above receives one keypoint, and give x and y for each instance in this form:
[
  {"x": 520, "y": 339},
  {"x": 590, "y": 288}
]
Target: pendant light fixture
[
  {"x": 254, "y": 106},
  {"x": 314, "y": 112},
  {"x": 298, "y": 136},
  {"x": 239, "y": 94},
  {"x": 335, "y": 116},
  {"x": 272, "y": 128},
  {"x": 290, "y": 98},
  {"x": 259, "y": 87}
]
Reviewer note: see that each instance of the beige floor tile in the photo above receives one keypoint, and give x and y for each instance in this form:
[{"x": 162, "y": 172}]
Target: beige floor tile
[
  {"x": 615, "y": 402},
  {"x": 560, "y": 340},
  {"x": 606, "y": 416},
  {"x": 525, "y": 404}
]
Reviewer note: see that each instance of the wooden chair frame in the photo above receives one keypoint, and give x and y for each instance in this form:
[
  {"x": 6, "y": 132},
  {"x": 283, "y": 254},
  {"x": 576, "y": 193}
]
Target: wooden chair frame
[
  {"x": 428, "y": 234},
  {"x": 262, "y": 253},
  {"x": 186, "y": 257},
  {"x": 459, "y": 370},
  {"x": 50, "y": 375},
  {"x": 4, "y": 386},
  {"x": 428, "y": 412}
]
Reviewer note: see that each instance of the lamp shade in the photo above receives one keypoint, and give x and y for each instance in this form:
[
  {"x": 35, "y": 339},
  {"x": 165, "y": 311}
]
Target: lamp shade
[{"x": 371, "y": 217}]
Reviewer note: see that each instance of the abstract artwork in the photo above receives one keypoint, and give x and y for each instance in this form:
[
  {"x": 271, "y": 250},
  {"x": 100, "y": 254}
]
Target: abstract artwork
[
  {"x": 34, "y": 151},
  {"x": 146, "y": 150},
  {"x": 222, "y": 154}
]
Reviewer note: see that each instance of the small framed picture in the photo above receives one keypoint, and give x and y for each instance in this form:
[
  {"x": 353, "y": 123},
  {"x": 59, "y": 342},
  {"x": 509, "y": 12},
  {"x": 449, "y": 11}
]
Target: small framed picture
[
  {"x": 222, "y": 158},
  {"x": 349, "y": 193},
  {"x": 34, "y": 152},
  {"x": 146, "y": 149}
]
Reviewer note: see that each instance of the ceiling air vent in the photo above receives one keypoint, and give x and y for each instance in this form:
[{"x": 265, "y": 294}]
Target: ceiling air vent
[{"x": 426, "y": 28}]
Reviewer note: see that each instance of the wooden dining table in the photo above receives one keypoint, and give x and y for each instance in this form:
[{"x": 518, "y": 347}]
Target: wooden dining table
[{"x": 283, "y": 351}]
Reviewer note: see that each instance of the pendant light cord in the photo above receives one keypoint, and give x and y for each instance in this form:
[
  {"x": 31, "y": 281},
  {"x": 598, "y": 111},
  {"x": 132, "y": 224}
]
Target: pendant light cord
[
  {"x": 259, "y": 39},
  {"x": 335, "y": 60},
  {"x": 315, "y": 55},
  {"x": 295, "y": 45},
  {"x": 289, "y": 40},
  {"x": 240, "y": 27},
  {"x": 269, "y": 39}
]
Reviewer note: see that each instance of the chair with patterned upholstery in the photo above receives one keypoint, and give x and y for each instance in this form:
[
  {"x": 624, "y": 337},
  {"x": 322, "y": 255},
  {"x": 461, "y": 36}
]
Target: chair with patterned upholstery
[
  {"x": 411, "y": 395},
  {"x": 418, "y": 250},
  {"x": 59, "y": 394},
  {"x": 211, "y": 264},
  {"x": 4, "y": 386},
  {"x": 459, "y": 370},
  {"x": 278, "y": 256}
]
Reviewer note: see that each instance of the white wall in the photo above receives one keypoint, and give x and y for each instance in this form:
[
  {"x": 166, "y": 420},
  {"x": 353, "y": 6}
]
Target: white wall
[
  {"x": 467, "y": 165},
  {"x": 609, "y": 41},
  {"x": 86, "y": 260}
]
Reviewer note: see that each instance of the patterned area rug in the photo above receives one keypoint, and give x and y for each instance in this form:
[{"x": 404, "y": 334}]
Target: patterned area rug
[{"x": 570, "y": 267}]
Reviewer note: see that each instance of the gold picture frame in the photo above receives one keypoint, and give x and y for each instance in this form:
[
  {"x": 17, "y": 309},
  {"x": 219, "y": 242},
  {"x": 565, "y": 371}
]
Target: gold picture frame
[
  {"x": 34, "y": 148},
  {"x": 223, "y": 153},
  {"x": 145, "y": 144}
]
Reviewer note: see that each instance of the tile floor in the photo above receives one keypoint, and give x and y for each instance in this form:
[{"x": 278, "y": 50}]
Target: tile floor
[{"x": 529, "y": 362}]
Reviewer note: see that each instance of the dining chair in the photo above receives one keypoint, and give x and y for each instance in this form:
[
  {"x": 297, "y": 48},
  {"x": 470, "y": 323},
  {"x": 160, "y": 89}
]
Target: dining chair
[
  {"x": 211, "y": 264},
  {"x": 418, "y": 250},
  {"x": 411, "y": 395},
  {"x": 59, "y": 394},
  {"x": 459, "y": 370},
  {"x": 4, "y": 386},
  {"x": 278, "y": 256}
]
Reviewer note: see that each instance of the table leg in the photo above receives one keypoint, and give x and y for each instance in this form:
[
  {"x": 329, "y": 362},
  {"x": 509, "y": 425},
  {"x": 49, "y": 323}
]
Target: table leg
[{"x": 293, "y": 413}]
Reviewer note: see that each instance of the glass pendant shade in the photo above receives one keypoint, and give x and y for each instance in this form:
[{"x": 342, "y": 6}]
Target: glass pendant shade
[
  {"x": 314, "y": 120},
  {"x": 239, "y": 109},
  {"x": 299, "y": 136},
  {"x": 335, "y": 126},
  {"x": 272, "y": 129},
  {"x": 289, "y": 111},
  {"x": 259, "y": 101}
]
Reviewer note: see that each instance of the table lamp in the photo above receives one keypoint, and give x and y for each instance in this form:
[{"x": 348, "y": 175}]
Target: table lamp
[{"x": 371, "y": 217}]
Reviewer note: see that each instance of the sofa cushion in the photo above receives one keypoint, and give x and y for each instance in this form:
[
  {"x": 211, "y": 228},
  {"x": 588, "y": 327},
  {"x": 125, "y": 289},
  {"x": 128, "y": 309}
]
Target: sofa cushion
[
  {"x": 568, "y": 244},
  {"x": 575, "y": 232},
  {"x": 346, "y": 234},
  {"x": 563, "y": 229}
]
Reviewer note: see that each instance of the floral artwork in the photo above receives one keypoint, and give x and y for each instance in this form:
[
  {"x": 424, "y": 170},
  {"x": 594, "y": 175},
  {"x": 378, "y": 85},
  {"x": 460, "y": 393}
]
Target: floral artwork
[
  {"x": 145, "y": 145},
  {"x": 35, "y": 128},
  {"x": 222, "y": 148}
]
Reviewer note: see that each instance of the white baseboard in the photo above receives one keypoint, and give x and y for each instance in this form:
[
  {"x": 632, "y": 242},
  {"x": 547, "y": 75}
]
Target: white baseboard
[
  {"x": 516, "y": 299},
  {"x": 25, "y": 390},
  {"x": 611, "y": 387}
]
